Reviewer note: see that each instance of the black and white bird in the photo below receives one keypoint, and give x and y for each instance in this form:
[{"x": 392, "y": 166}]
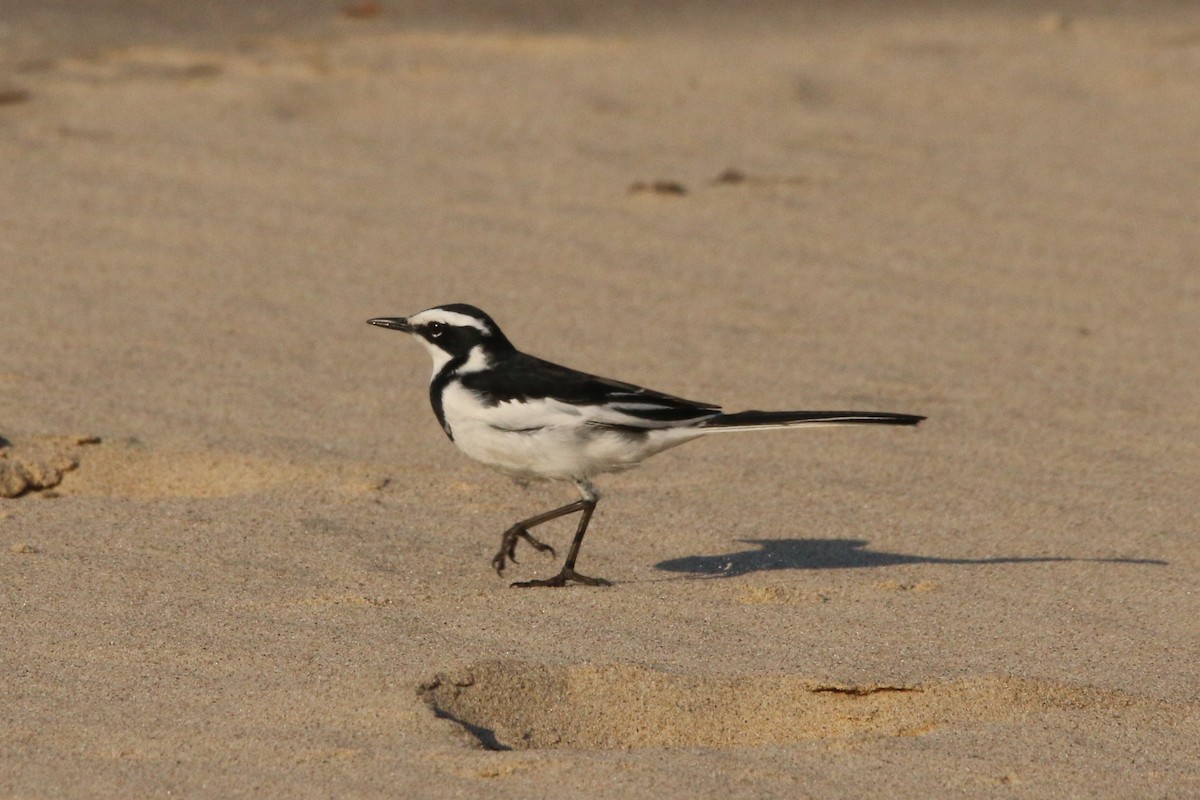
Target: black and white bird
[{"x": 532, "y": 419}]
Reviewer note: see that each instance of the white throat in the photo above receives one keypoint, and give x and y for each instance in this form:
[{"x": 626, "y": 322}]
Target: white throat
[{"x": 440, "y": 357}]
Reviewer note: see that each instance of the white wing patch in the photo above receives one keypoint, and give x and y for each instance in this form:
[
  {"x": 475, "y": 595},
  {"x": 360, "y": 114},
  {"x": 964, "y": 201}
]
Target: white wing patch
[{"x": 477, "y": 361}]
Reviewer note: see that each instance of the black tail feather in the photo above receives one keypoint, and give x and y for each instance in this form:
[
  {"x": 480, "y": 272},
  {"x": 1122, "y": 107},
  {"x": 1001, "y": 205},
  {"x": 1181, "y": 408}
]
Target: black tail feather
[{"x": 750, "y": 419}]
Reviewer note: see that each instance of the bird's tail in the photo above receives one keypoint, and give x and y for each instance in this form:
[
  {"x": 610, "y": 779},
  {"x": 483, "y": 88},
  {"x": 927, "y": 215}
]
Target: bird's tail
[{"x": 752, "y": 420}]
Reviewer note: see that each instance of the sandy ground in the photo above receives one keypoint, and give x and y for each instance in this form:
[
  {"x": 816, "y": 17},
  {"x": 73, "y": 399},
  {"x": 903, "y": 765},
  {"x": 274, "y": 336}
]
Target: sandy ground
[{"x": 270, "y": 574}]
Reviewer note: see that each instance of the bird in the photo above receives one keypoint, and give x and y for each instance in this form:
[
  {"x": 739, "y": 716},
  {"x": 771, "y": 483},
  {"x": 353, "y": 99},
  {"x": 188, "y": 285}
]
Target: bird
[{"x": 536, "y": 420}]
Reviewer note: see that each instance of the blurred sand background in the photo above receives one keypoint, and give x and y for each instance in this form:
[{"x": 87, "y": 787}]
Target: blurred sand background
[{"x": 257, "y": 568}]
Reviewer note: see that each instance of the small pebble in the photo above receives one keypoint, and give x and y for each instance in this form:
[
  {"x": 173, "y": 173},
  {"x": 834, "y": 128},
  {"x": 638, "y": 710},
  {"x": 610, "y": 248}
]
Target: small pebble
[
  {"x": 658, "y": 187},
  {"x": 10, "y": 95}
]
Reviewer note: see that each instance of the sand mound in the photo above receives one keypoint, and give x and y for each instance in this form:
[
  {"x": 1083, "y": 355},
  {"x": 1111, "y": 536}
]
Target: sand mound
[
  {"x": 128, "y": 468},
  {"x": 38, "y": 462},
  {"x": 508, "y": 705}
]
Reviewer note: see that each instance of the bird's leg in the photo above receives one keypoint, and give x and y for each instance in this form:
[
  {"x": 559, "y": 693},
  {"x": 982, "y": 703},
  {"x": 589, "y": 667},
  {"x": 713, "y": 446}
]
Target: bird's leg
[
  {"x": 508, "y": 542},
  {"x": 587, "y": 504}
]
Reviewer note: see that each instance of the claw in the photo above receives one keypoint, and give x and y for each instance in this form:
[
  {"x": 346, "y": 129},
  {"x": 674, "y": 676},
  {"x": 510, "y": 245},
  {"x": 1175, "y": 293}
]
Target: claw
[
  {"x": 541, "y": 547},
  {"x": 508, "y": 548},
  {"x": 561, "y": 579}
]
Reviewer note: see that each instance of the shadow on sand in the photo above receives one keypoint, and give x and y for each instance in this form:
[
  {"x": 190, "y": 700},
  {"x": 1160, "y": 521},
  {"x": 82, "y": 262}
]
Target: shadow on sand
[{"x": 769, "y": 554}]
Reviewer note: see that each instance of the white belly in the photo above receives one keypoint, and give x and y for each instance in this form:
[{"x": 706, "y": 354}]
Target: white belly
[{"x": 548, "y": 439}]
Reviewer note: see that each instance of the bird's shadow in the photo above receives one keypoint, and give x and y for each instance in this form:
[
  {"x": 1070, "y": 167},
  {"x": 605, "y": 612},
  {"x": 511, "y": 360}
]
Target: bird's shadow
[{"x": 773, "y": 554}]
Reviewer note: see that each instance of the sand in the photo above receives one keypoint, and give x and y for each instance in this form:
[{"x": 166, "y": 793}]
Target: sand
[{"x": 244, "y": 561}]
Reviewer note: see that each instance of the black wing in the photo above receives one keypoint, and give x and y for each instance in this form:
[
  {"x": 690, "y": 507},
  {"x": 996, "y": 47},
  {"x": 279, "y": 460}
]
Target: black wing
[{"x": 525, "y": 377}]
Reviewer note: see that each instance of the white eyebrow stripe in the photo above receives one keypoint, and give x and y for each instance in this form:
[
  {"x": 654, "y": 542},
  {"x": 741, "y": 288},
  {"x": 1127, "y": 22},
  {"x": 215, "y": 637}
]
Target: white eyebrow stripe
[{"x": 452, "y": 318}]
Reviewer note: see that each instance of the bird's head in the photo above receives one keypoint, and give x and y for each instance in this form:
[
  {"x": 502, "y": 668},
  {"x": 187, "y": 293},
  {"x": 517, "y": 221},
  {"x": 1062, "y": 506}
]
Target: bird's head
[{"x": 455, "y": 332}]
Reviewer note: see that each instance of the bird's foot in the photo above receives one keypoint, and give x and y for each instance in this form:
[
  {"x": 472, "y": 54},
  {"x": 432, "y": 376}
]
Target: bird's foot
[
  {"x": 561, "y": 579},
  {"x": 508, "y": 547}
]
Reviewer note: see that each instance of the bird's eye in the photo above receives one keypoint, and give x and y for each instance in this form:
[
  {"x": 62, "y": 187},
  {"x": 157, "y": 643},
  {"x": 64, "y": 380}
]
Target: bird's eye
[{"x": 436, "y": 329}]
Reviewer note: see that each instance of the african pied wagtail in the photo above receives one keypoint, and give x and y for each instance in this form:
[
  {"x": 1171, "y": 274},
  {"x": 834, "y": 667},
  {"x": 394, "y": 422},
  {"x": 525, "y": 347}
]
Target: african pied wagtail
[{"x": 532, "y": 419}]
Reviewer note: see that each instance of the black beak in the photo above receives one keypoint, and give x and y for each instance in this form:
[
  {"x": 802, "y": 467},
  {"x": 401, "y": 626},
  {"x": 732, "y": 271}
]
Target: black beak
[{"x": 395, "y": 323}]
